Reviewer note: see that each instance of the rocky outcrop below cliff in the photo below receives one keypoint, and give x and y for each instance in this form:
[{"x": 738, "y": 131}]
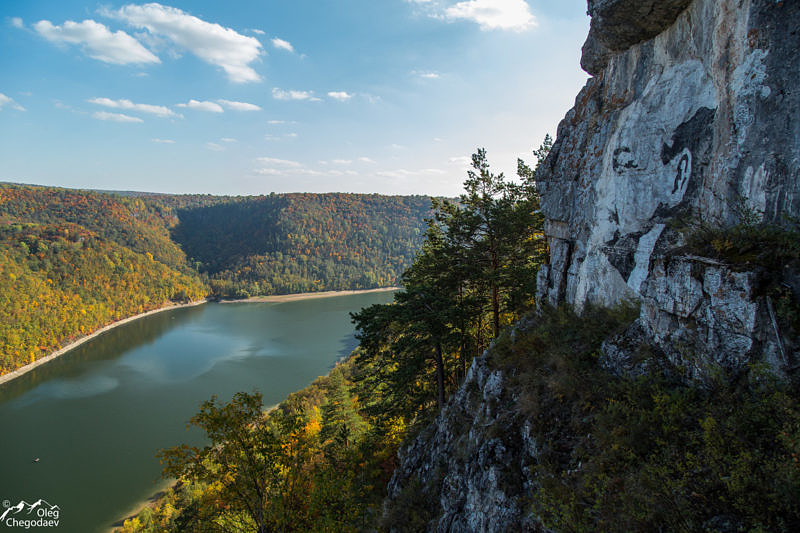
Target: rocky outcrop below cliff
[{"x": 469, "y": 470}]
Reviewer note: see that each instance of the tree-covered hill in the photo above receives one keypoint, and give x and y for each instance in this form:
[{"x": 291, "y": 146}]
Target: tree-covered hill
[
  {"x": 302, "y": 242},
  {"x": 73, "y": 261}
]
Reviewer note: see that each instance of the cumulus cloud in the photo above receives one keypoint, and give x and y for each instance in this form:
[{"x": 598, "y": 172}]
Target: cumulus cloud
[
  {"x": 280, "y": 94},
  {"x": 203, "y": 106},
  {"x": 342, "y": 161},
  {"x": 366, "y": 160},
  {"x": 8, "y": 101},
  {"x": 494, "y": 14},
  {"x": 16, "y": 22},
  {"x": 115, "y": 117},
  {"x": 257, "y": 31},
  {"x": 163, "y": 141},
  {"x": 228, "y": 140},
  {"x": 342, "y": 96},
  {"x": 280, "y": 44},
  {"x": 158, "y": 110},
  {"x": 219, "y": 46},
  {"x": 239, "y": 106},
  {"x": 97, "y": 41}
]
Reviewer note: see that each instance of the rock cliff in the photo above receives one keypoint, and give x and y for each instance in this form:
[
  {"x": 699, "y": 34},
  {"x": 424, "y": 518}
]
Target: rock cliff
[{"x": 692, "y": 113}]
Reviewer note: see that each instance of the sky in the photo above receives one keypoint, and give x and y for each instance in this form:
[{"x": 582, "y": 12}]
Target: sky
[{"x": 252, "y": 96}]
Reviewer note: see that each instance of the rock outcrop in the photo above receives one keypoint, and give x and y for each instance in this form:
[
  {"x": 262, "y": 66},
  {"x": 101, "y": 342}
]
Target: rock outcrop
[
  {"x": 692, "y": 112},
  {"x": 471, "y": 467}
]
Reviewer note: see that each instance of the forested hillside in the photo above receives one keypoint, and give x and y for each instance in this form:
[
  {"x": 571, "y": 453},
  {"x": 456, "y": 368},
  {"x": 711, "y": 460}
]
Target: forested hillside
[
  {"x": 73, "y": 261},
  {"x": 290, "y": 243}
]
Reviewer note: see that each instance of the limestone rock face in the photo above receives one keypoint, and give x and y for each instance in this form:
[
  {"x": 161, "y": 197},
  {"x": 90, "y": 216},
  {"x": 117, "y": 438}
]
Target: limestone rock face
[
  {"x": 693, "y": 108},
  {"x": 472, "y": 465},
  {"x": 619, "y": 24}
]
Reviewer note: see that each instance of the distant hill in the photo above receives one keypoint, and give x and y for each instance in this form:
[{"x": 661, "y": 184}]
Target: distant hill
[
  {"x": 73, "y": 261},
  {"x": 288, "y": 243}
]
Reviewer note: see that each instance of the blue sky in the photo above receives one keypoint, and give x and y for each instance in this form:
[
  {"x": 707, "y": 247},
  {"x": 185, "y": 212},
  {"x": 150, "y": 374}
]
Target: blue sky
[{"x": 254, "y": 96}]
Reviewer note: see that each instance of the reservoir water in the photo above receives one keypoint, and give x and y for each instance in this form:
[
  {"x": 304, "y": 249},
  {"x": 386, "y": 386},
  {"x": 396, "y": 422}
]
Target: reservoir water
[{"x": 96, "y": 416}]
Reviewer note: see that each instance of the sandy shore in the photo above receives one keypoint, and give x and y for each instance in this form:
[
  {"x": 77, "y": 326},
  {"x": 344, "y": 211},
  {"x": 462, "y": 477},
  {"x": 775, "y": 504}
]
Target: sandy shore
[
  {"x": 5, "y": 378},
  {"x": 305, "y": 296}
]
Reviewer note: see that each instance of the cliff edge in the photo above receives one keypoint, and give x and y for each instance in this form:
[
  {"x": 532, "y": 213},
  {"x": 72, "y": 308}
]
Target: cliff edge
[{"x": 692, "y": 117}]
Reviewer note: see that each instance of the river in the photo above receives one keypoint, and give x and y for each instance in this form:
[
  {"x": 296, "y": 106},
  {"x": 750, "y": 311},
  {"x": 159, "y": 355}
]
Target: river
[{"x": 96, "y": 416}]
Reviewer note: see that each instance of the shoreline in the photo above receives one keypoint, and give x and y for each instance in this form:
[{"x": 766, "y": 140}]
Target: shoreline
[
  {"x": 305, "y": 296},
  {"x": 5, "y": 378}
]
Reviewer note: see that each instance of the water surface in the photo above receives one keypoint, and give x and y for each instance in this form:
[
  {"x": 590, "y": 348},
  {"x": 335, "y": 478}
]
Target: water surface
[{"x": 96, "y": 416}]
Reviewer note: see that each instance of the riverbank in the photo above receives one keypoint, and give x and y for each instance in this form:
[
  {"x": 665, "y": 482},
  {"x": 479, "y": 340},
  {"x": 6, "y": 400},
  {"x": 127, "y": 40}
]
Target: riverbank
[
  {"x": 306, "y": 296},
  {"x": 5, "y": 378}
]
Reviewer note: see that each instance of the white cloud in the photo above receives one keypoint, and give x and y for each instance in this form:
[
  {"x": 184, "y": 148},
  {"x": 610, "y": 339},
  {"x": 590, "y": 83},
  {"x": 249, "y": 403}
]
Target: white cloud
[
  {"x": 426, "y": 75},
  {"x": 280, "y": 94},
  {"x": 163, "y": 141},
  {"x": 366, "y": 160},
  {"x": 115, "y": 117},
  {"x": 405, "y": 173},
  {"x": 342, "y": 96},
  {"x": 203, "y": 106},
  {"x": 8, "y": 101},
  {"x": 278, "y": 162},
  {"x": 269, "y": 171},
  {"x": 460, "y": 160},
  {"x": 342, "y": 161},
  {"x": 494, "y": 14},
  {"x": 257, "y": 32},
  {"x": 239, "y": 106},
  {"x": 280, "y": 44},
  {"x": 399, "y": 173},
  {"x": 214, "y": 147},
  {"x": 228, "y": 140},
  {"x": 291, "y": 135},
  {"x": 214, "y": 44},
  {"x": 98, "y": 41},
  {"x": 276, "y": 122},
  {"x": 16, "y": 22},
  {"x": 158, "y": 110}
]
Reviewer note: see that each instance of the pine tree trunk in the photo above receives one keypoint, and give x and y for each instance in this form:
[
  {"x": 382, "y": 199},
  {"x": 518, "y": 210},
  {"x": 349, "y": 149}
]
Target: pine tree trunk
[{"x": 439, "y": 374}]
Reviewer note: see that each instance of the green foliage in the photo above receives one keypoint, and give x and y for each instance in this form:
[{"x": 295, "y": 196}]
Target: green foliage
[
  {"x": 475, "y": 272},
  {"x": 315, "y": 463},
  {"x": 649, "y": 453},
  {"x": 748, "y": 244}
]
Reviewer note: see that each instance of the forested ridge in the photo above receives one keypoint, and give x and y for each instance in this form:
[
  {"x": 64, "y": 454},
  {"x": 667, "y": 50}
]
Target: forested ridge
[
  {"x": 289, "y": 243},
  {"x": 73, "y": 261}
]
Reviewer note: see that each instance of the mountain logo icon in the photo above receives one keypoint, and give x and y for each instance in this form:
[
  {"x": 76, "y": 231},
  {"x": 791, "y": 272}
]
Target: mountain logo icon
[{"x": 40, "y": 513}]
